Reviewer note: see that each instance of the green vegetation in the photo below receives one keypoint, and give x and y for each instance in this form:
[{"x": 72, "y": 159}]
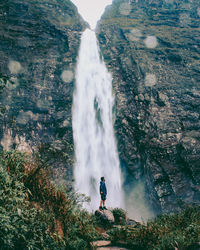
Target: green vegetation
[
  {"x": 166, "y": 232},
  {"x": 33, "y": 214},
  {"x": 119, "y": 215},
  {"x": 3, "y": 81}
]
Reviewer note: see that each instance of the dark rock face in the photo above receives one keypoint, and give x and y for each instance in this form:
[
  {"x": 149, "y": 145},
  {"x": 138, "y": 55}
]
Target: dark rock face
[
  {"x": 39, "y": 43},
  {"x": 152, "y": 49}
]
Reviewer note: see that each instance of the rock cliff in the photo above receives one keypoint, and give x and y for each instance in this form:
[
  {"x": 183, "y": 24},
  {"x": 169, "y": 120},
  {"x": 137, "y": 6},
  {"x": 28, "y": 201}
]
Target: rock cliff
[
  {"x": 152, "y": 49},
  {"x": 39, "y": 43}
]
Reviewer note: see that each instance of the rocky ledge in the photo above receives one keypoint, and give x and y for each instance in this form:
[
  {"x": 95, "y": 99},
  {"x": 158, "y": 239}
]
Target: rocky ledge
[{"x": 152, "y": 49}]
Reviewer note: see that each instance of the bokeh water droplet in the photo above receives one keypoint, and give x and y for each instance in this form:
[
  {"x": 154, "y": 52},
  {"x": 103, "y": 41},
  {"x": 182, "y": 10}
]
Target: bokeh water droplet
[
  {"x": 14, "y": 67},
  {"x": 151, "y": 42},
  {"x": 67, "y": 76}
]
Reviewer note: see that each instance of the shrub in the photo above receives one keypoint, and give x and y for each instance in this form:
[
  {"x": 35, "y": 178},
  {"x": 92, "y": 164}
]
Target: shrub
[
  {"x": 33, "y": 213},
  {"x": 166, "y": 232},
  {"x": 20, "y": 226},
  {"x": 119, "y": 215}
]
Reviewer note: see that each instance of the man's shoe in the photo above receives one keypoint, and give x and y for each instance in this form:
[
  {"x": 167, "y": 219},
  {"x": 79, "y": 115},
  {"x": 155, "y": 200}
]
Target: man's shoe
[
  {"x": 105, "y": 208},
  {"x": 100, "y": 208}
]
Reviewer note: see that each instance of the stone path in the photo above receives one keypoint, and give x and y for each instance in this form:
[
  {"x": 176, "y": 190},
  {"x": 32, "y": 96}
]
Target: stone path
[
  {"x": 101, "y": 243},
  {"x": 105, "y": 245},
  {"x": 111, "y": 248}
]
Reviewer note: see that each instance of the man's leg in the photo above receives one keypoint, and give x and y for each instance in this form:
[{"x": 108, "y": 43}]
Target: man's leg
[
  {"x": 104, "y": 204},
  {"x": 101, "y": 203}
]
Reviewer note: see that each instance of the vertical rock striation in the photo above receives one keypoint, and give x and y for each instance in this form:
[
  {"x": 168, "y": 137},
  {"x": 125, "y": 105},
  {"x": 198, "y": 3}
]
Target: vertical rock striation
[
  {"x": 152, "y": 49},
  {"x": 39, "y": 43}
]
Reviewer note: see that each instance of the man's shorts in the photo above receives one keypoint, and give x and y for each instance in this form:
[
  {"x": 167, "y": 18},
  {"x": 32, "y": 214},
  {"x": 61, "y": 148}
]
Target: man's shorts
[{"x": 103, "y": 197}]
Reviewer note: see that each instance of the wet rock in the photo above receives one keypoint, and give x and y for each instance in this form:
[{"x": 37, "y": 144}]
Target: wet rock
[
  {"x": 153, "y": 59},
  {"x": 131, "y": 222},
  {"x": 38, "y": 56},
  {"x": 105, "y": 216}
]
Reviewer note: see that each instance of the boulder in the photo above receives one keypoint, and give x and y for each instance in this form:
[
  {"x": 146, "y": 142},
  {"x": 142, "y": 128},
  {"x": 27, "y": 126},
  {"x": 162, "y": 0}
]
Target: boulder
[
  {"x": 131, "y": 222},
  {"x": 100, "y": 243},
  {"x": 105, "y": 216}
]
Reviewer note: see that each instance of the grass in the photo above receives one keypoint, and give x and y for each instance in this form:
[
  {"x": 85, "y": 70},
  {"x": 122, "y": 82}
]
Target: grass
[{"x": 178, "y": 230}]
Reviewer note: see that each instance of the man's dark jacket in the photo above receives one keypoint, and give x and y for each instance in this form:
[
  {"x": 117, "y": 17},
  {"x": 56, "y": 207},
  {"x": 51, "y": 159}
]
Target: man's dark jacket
[{"x": 103, "y": 188}]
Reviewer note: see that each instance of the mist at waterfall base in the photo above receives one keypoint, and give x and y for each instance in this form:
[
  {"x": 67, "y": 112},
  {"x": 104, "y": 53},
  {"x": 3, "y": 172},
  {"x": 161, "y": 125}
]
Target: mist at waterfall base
[
  {"x": 136, "y": 203},
  {"x": 95, "y": 146}
]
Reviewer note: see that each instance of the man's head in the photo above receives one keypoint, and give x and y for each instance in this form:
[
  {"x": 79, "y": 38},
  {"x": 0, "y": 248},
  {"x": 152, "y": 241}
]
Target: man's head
[{"x": 102, "y": 179}]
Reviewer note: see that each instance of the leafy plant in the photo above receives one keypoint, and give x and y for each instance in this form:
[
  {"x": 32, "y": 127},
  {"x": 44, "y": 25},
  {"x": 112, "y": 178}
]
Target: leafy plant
[
  {"x": 166, "y": 232},
  {"x": 20, "y": 225},
  {"x": 119, "y": 215},
  {"x": 3, "y": 81},
  {"x": 34, "y": 214}
]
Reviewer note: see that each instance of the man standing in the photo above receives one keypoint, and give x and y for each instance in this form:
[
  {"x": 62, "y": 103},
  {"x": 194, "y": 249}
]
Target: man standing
[{"x": 103, "y": 193}]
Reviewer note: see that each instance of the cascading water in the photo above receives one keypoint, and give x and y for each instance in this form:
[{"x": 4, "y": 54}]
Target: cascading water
[{"x": 95, "y": 147}]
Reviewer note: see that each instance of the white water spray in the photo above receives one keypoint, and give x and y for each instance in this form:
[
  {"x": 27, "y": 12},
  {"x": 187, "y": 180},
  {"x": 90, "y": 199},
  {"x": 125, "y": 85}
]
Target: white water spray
[{"x": 95, "y": 146}]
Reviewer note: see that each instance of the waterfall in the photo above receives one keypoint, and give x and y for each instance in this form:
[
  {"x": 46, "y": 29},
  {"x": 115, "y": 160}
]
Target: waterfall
[{"x": 95, "y": 146}]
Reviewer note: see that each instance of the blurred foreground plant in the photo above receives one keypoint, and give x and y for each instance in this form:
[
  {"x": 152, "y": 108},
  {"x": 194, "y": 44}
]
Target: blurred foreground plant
[{"x": 33, "y": 213}]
